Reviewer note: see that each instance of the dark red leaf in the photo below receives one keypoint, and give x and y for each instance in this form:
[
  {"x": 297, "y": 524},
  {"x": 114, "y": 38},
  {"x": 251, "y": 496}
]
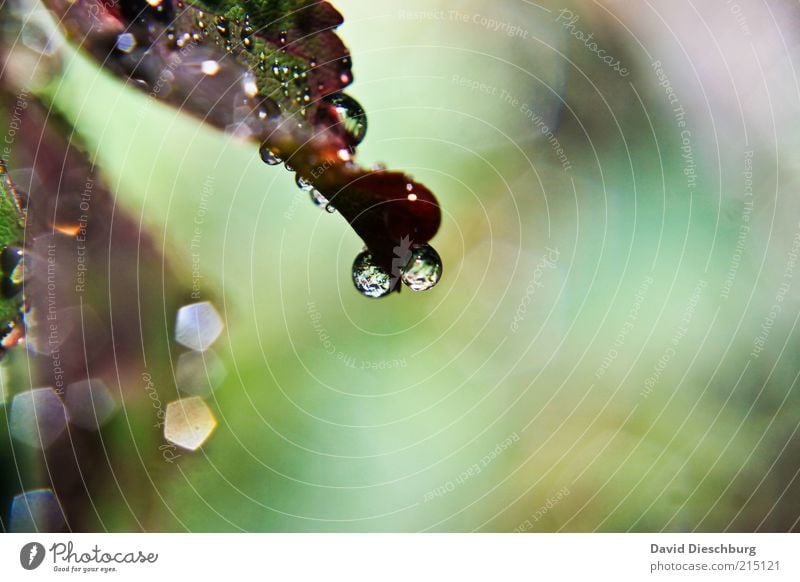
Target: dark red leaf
[{"x": 271, "y": 71}]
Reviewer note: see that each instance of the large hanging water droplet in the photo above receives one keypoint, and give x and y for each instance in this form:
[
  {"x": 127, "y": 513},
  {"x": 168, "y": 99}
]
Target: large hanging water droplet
[
  {"x": 268, "y": 156},
  {"x": 351, "y": 115},
  {"x": 369, "y": 278},
  {"x": 423, "y": 270}
]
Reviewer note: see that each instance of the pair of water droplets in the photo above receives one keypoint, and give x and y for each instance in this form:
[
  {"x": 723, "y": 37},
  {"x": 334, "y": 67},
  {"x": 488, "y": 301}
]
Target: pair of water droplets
[{"x": 419, "y": 267}]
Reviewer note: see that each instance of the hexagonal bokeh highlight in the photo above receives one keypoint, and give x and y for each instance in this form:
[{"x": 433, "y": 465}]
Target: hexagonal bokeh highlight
[
  {"x": 199, "y": 373},
  {"x": 189, "y": 422},
  {"x": 37, "y": 417},
  {"x": 35, "y": 511},
  {"x": 198, "y": 326},
  {"x": 89, "y": 404}
]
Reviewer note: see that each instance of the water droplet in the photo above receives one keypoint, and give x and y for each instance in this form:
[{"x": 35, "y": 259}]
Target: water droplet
[
  {"x": 222, "y": 26},
  {"x": 423, "y": 270},
  {"x": 351, "y": 115},
  {"x": 267, "y": 109},
  {"x": 247, "y": 32},
  {"x": 303, "y": 184},
  {"x": 282, "y": 37},
  {"x": 10, "y": 258},
  {"x": 369, "y": 278},
  {"x": 269, "y": 157},
  {"x": 318, "y": 199}
]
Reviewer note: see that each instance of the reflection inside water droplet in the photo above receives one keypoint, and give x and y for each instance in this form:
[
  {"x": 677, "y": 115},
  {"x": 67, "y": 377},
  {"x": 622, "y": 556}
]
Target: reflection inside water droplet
[
  {"x": 423, "y": 270},
  {"x": 369, "y": 278}
]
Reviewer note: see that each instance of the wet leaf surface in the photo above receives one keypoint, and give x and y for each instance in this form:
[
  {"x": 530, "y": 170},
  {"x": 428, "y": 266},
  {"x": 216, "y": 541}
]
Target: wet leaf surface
[{"x": 270, "y": 72}]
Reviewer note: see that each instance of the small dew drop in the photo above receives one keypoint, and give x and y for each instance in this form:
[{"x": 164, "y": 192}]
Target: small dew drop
[
  {"x": 247, "y": 33},
  {"x": 303, "y": 184},
  {"x": 319, "y": 200},
  {"x": 423, "y": 270},
  {"x": 269, "y": 157},
  {"x": 369, "y": 279},
  {"x": 222, "y": 26}
]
